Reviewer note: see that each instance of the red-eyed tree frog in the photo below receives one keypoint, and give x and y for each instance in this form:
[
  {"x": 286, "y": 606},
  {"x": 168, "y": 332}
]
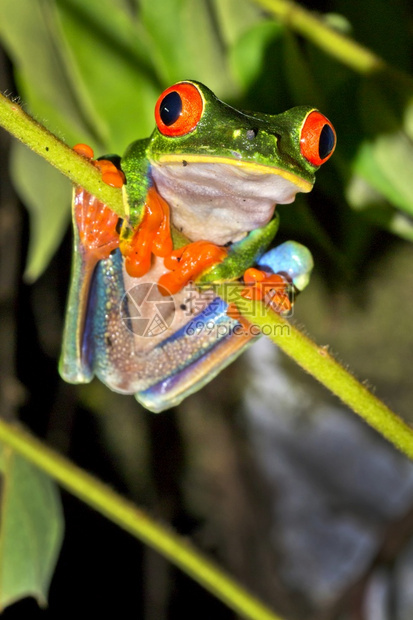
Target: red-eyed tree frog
[{"x": 200, "y": 197}]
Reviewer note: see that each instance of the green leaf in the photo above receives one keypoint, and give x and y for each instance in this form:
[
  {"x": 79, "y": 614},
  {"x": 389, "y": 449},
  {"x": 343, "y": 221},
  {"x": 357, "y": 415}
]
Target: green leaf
[
  {"x": 31, "y": 34},
  {"x": 187, "y": 44},
  {"x": 299, "y": 75},
  {"x": 31, "y": 530},
  {"x": 364, "y": 198},
  {"x": 47, "y": 195},
  {"x": 386, "y": 164},
  {"x": 107, "y": 54},
  {"x": 249, "y": 54},
  {"x": 384, "y": 158},
  {"x": 235, "y": 17}
]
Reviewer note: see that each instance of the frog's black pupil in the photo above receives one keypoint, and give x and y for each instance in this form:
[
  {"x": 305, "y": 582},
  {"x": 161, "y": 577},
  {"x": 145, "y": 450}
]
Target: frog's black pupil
[
  {"x": 170, "y": 108},
  {"x": 326, "y": 142}
]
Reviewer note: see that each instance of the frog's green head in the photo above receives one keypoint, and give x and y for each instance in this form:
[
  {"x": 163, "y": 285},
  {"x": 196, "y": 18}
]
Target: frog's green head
[
  {"x": 192, "y": 122},
  {"x": 234, "y": 165}
]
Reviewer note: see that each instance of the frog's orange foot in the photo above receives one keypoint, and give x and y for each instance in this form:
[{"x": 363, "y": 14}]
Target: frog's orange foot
[
  {"x": 96, "y": 224},
  {"x": 273, "y": 289},
  {"x": 110, "y": 174},
  {"x": 189, "y": 262},
  {"x": 85, "y": 150},
  {"x": 152, "y": 236}
]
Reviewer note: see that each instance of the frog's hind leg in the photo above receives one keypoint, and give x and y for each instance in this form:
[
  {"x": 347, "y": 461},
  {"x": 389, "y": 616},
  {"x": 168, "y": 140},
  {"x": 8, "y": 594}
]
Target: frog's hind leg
[
  {"x": 174, "y": 389},
  {"x": 95, "y": 237}
]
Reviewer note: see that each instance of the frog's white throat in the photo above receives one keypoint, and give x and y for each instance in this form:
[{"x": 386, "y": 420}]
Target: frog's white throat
[{"x": 222, "y": 201}]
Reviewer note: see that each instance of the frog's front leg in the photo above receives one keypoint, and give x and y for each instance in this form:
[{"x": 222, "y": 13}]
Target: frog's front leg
[
  {"x": 235, "y": 262},
  {"x": 152, "y": 235},
  {"x": 204, "y": 262}
]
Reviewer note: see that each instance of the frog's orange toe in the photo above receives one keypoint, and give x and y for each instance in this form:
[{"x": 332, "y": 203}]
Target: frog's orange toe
[
  {"x": 158, "y": 211},
  {"x": 151, "y": 237},
  {"x": 137, "y": 265},
  {"x": 189, "y": 262},
  {"x": 137, "y": 251},
  {"x": 110, "y": 174},
  {"x": 96, "y": 225},
  {"x": 253, "y": 275},
  {"x": 84, "y": 149},
  {"x": 272, "y": 289}
]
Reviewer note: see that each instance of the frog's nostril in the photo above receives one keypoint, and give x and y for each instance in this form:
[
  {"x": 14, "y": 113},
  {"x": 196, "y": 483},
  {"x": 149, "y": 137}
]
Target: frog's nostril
[{"x": 252, "y": 133}]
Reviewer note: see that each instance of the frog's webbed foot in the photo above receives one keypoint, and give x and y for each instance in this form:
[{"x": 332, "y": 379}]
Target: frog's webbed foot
[
  {"x": 111, "y": 175},
  {"x": 283, "y": 272},
  {"x": 205, "y": 262},
  {"x": 96, "y": 223},
  {"x": 189, "y": 262},
  {"x": 274, "y": 289},
  {"x": 152, "y": 236}
]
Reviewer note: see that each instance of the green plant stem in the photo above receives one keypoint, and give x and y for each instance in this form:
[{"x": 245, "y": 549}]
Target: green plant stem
[
  {"x": 130, "y": 518},
  {"x": 317, "y": 361},
  {"x": 78, "y": 169},
  {"x": 317, "y": 30}
]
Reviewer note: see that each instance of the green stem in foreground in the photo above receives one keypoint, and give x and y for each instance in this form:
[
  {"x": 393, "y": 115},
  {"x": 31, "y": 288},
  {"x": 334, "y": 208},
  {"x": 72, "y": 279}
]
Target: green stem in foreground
[
  {"x": 130, "y": 518},
  {"x": 320, "y": 364},
  {"x": 79, "y": 170}
]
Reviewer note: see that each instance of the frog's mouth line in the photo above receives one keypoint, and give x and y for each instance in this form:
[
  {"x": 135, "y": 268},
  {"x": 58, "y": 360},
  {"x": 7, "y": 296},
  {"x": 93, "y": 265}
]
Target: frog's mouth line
[{"x": 252, "y": 167}]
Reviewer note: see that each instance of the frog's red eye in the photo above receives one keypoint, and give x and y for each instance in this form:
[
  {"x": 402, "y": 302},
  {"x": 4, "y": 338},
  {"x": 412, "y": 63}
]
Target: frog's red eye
[
  {"x": 318, "y": 138},
  {"x": 179, "y": 109}
]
